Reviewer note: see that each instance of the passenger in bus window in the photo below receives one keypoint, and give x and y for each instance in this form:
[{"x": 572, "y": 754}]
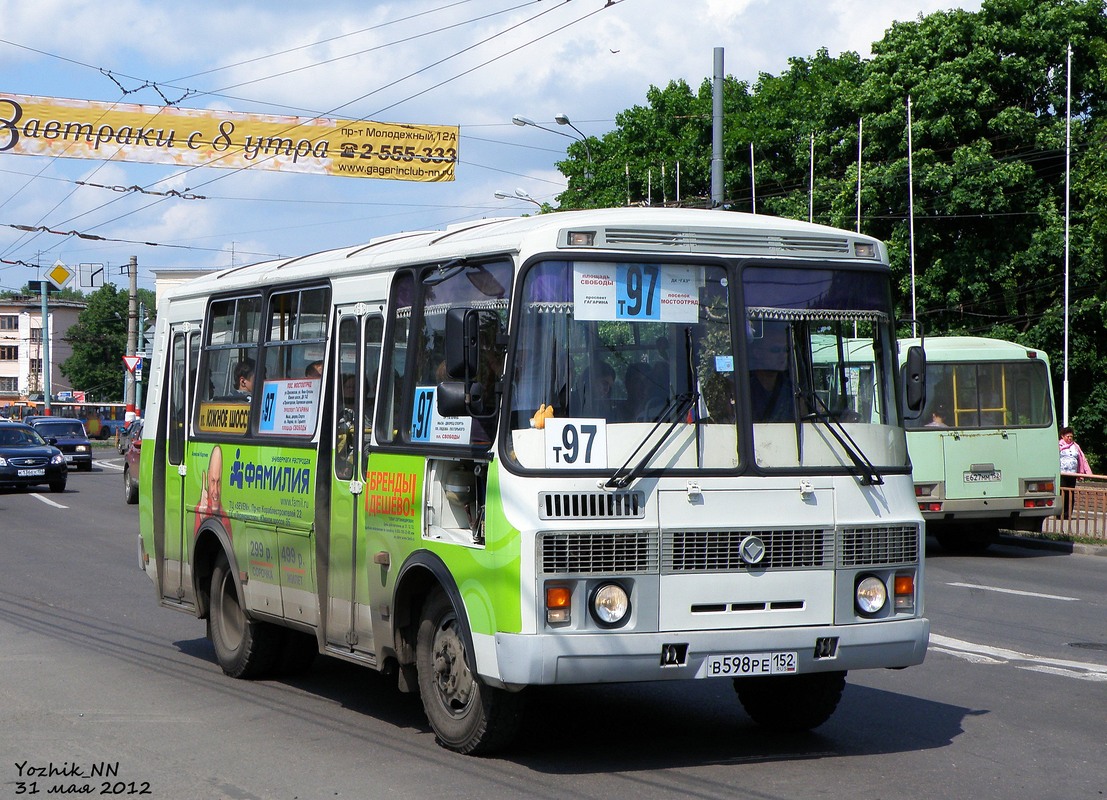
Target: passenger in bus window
[
  {"x": 938, "y": 417},
  {"x": 596, "y": 385},
  {"x": 645, "y": 399},
  {"x": 244, "y": 377},
  {"x": 314, "y": 370},
  {"x": 771, "y": 396}
]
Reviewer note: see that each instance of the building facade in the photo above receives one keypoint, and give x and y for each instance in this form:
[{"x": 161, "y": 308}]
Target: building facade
[{"x": 21, "y": 346}]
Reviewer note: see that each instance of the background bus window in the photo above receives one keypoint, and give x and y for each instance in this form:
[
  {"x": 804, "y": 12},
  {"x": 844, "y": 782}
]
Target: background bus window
[{"x": 986, "y": 395}]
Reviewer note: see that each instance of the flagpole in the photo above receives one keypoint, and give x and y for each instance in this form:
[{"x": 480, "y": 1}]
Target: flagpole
[
  {"x": 911, "y": 219},
  {"x": 860, "y": 124},
  {"x": 1068, "y": 142},
  {"x": 811, "y": 183}
]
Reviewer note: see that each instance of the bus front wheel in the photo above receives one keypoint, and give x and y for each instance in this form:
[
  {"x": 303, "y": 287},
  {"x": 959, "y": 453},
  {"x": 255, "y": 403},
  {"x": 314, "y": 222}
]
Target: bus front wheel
[
  {"x": 243, "y": 648},
  {"x": 466, "y": 715},
  {"x": 791, "y": 702}
]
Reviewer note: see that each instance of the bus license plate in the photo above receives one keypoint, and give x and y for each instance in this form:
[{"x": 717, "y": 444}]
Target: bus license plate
[
  {"x": 31, "y": 473},
  {"x": 748, "y": 664},
  {"x": 983, "y": 477}
]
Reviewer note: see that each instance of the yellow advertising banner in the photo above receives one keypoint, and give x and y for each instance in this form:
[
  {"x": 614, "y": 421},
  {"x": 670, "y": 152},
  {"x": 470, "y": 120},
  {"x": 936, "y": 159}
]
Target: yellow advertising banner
[{"x": 49, "y": 126}]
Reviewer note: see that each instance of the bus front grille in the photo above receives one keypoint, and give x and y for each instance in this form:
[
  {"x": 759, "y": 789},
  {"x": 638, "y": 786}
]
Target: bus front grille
[
  {"x": 875, "y": 545},
  {"x": 591, "y": 505},
  {"x": 721, "y": 551},
  {"x": 592, "y": 553}
]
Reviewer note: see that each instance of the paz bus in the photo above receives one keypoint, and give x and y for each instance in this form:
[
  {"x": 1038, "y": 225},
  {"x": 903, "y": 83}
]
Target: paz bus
[
  {"x": 984, "y": 450},
  {"x": 579, "y": 447}
]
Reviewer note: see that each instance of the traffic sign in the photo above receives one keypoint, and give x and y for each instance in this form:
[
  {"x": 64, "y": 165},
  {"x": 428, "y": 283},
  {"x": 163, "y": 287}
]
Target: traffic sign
[
  {"x": 131, "y": 362},
  {"x": 59, "y": 274}
]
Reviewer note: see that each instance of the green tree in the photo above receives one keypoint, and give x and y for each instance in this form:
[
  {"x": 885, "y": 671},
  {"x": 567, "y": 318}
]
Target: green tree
[
  {"x": 988, "y": 96},
  {"x": 99, "y": 341}
]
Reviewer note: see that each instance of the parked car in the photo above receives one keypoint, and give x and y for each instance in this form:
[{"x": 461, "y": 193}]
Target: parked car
[
  {"x": 69, "y": 436},
  {"x": 27, "y": 460},
  {"x": 130, "y": 462},
  {"x": 123, "y": 439}
]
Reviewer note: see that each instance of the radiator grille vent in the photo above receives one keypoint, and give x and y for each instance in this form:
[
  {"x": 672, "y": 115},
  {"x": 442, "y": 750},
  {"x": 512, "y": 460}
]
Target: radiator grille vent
[
  {"x": 590, "y": 505},
  {"x": 563, "y": 553},
  {"x": 719, "y": 551},
  {"x": 871, "y": 546}
]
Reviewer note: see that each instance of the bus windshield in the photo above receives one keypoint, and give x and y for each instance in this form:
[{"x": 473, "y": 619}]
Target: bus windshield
[{"x": 622, "y": 363}]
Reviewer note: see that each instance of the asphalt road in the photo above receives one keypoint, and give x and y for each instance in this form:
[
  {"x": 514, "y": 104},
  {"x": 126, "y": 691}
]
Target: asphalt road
[{"x": 118, "y": 696}]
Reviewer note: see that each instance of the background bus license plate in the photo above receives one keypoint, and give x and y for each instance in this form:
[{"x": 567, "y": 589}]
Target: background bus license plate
[
  {"x": 983, "y": 477},
  {"x": 30, "y": 473},
  {"x": 747, "y": 664}
]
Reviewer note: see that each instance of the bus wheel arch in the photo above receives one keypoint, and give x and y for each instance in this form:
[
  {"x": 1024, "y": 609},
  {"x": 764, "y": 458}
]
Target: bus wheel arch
[
  {"x": 418, "y": 577},
  {"x": 209, "y": 544}
]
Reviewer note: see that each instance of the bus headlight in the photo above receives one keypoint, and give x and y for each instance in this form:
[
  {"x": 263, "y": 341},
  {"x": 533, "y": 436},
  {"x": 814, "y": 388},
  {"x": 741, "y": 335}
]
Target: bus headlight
[
  {"x": 871, "y": 595},
  {"x": 610, "y": 605}
]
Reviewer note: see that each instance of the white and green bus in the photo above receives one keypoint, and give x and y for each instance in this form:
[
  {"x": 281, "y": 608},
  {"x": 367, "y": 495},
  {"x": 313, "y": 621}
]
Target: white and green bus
[
  {"x": 581, "y": 447},
  {"x": 984, "y": 450}
]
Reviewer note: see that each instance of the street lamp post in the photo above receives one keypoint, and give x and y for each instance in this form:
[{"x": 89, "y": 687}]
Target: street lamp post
[
  {"x": 563, "y": 119},
  {"x": 560, "y": 119},
  {"x": 520, "y": 194}
]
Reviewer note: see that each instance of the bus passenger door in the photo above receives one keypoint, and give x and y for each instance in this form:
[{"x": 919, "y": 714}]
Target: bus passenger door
[
  {"x": 353, "y": 379},
  {"x": 176, "y": 574}
]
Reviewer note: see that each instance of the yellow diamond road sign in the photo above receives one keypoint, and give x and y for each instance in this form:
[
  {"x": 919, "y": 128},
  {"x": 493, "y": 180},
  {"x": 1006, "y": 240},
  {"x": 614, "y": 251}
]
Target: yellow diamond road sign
[{"x": 59, "y": 274}]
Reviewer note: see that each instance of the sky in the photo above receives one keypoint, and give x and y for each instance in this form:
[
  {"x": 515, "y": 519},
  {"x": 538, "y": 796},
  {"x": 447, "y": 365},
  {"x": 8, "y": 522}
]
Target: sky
[{"x": 468, "y": 63}]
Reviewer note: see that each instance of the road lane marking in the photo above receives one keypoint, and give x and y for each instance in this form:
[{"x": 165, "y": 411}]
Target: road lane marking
[
  {"x": 986, "y": 654},
  {"x": 1014, "y": 591},
  {"x": 47, "y": 500},
  {"x": 108, "y": 465}
]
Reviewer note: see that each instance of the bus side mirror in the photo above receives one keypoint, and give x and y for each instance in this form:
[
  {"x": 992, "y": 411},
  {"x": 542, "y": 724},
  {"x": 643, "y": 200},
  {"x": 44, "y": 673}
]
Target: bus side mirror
[
  {"x": 454, "y": 401},
  {"x": 914, "y": 379},
  {"x": 462, "y": 343}
]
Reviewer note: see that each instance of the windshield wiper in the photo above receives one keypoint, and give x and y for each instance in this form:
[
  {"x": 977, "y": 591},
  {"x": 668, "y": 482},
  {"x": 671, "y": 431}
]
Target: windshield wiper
[
  {"x": 866, "y": 472},
  {"x": 676, "y": 409}
]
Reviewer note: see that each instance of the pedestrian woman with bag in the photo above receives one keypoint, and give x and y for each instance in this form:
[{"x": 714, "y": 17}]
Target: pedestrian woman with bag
[{"x": 1073, "y": 463}]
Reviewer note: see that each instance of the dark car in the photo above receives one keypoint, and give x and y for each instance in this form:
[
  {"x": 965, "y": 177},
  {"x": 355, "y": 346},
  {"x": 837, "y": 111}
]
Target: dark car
[
  {"x": 69, "y": 436},
  {"x": 27, "y": 460},
  {"x": 130, "y": 462}
]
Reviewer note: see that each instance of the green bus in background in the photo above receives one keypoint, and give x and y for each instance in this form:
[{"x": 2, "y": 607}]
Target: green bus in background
[{"x": 984, "y": 450}]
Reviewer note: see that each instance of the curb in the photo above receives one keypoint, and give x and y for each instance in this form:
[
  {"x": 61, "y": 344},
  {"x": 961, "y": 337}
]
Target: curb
[{"x": 1034, "y": 543}]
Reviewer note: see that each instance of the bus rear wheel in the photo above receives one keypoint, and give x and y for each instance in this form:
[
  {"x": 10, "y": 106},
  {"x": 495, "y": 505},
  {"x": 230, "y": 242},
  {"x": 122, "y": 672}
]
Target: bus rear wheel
[
  {"x": 791, "y": 702},
  {"x": 467, "y": 716},
  {"x": 243, "y": 648}
]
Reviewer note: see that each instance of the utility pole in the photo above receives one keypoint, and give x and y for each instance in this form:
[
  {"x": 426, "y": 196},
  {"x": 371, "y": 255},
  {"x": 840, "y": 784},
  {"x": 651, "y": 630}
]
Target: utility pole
[
  {"x": 132, "y": 334},
  {"x": 141, "y": 350},
  {"x": 43, "y": 287},
  {"x": 718, "y": 190}
]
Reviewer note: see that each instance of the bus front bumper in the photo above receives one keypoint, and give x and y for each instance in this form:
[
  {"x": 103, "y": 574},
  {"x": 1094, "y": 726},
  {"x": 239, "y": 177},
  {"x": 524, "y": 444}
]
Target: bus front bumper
[{"x": 611, "y": 657}]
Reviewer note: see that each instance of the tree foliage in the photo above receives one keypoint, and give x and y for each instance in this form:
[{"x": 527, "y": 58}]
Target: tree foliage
[
  {"x": 987, "y": 172},
  {"x": 99, "y": 341}
]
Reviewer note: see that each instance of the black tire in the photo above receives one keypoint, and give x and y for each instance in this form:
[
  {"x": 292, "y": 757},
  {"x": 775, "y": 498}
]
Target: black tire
[
  {"x": 791, "y": 702},
  {"x": 244, "y": 648},
  {"x": 130, "y": 487},
  {"x": 57, "y": 487},
  {"x": 466, "y": 715}
]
